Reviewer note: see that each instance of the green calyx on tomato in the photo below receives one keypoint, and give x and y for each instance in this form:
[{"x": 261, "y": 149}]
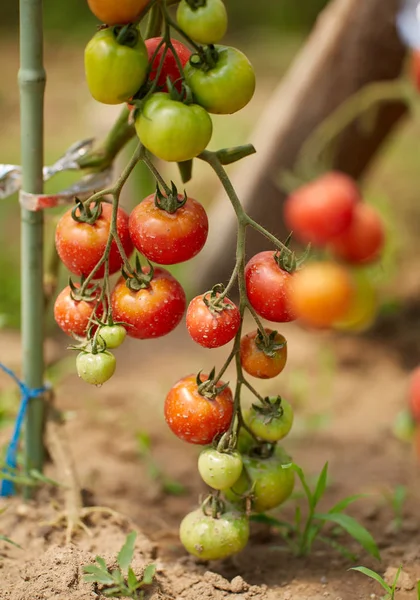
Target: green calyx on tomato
[
  {"x": 214, "y": 538},
  {"x": 219, "y": 470},
  {"x": 205, "y": 21},
  {"x": 140, "y": 279},
  {"x": 172, "y": 202},
  {"x": 171, "y": 130},
  {"x": 85, "y": 213},
  {"x": 221, "y": 79},
  {"x": 116, "y": 64},
  {"x": 270, "y": 344},
  {"x": 271, "y": 420},
  {"x": 209, "y": 388},
  {"x": 95, "y": 368}
]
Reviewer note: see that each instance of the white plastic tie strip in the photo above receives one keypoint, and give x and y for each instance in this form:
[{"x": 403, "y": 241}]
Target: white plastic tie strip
[
  {"x": 408, "y": 23},
  {"x": 11, "y": 180}
]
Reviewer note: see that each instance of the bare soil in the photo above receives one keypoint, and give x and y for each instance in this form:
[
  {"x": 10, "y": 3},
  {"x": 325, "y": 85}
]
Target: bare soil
[{"x": 346, "y": 392}]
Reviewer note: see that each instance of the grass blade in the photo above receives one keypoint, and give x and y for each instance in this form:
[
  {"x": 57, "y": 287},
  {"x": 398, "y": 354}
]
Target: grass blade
[
  {"x": 339, "y": 547},
  {"x": 271, "y": 521},
  {"x": 343, "y": 504},
  {"x": 149, "y": 574},
  {"x": 373, "y": 575},
  {"x": 321, "y": 485},
  {"x": 418, "y": 590},
  {"x": 125, "y": 555},
  {"x": 305, "y": 486},
  {"x": 3, "y": 538},
  {"x": 353, "y": 528}
]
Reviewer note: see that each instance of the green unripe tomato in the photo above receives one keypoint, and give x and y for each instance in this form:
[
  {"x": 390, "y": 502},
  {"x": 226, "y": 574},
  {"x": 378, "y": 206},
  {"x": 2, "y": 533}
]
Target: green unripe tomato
[
  {"x": 113, "y": 335},
  {"x": 206, "y": 24},
  {"x": 219, "y": 470},
  {"x": 271, "y": 484},
  {"x": 225, "y": 88},
  {"x": 270, "y": 427},
  {"x": 211, "y": 538},
  {"x": 115, "y": 72},
  {"x": 171, "y": 130},
  {"x": 95, "y": 368}
]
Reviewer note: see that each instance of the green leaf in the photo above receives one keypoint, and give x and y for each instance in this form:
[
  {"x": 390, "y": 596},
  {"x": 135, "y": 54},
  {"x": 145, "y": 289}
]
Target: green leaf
[
  {"x": 173, "y": 488},
  {"x": 132, "y": 579},
  {"x": 418, "y": 590},
  {"x": 149, "y": 574},
  {"x": 115, "y": 591},
  {"x": 321, "y": 485},
  {"x": 343, "y": 504},
  {"x": 3, "y": 538},
  {"x": 339, "y": 547},
  {"x": 396, "y": 578},
  {"x": 271, "y": 521},
  {"x": 144, "y": 443},
  {"x": 125, "y": 555},
  {"x": 37, "y": 476},
  {"x": 353, "y": 528},
  {"x": 101, "y": 576},
  {"x": 373, "y": 575},
  {"x": 305, "y": 486},
  {"x": 101, "y": 562}
]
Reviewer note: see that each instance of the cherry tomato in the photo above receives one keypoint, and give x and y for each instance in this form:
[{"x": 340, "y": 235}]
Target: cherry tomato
[
  {"x": 206, "y": 24},
  {"x": 269, "y": 288},
  {"x": 225, "y": 88},
  {"x": 150, "y": 312},
  {"x": 81, "y": 245},
  {"x": 95, "y": 368},
  {"x": 113, "y": 335},
  {"x": 170, "y": 66},
  {"x": 195, "y": 418},
  {"x": 72, "y": 316},
  {"x": 414, "y": 394},
  {"x": 271, "y": 423},
  {"x": 211, "y": 538},
  {"x": 322, "y": 293},
  {"x": 114, "y": 72},
  {"x": 363, "y": 239},
  {"x": 260, "y": 360},
  {"x": 322, "y": 209},
  {"x": 265, "y": 478},
  {"x": 364, "y": 305},
  {"x": 211, "y": 328},
  {"x": 220, "y": 470},
  {"x": 168, "y": 238},
  {"x": 117, "y": 13},
  {"x": 173, "y": 131}
]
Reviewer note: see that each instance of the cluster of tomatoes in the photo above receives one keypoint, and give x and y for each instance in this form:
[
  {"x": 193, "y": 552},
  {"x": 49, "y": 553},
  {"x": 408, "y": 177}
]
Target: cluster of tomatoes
[{"x": 172, "y": 88}]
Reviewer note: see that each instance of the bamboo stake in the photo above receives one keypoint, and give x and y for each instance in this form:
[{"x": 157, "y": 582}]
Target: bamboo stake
[{"x": 32, "y": 85}]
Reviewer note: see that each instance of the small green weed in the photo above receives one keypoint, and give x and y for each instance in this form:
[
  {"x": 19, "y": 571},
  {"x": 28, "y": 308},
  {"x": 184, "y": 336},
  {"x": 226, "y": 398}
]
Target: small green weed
[
  {"x": 121, "y": 582},
  {"x": 3, "y": 538},
  {"x": 301, "y": 535},
  {"x": 168, "y": 485},
  {"x": 397, "y": 500},
  {"x": 390, "y": 590}
]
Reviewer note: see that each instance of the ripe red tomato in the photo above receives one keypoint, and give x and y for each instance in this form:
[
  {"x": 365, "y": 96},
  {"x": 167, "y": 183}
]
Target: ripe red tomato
[
  {"x": 322, "y": 209},
  {"x": 268, "y": 288},
  {"x": 81, "y": 245},
  {"x": 117, "y": 13},
  {"x": 414, "y": 394},
  {"x": 150, "y": 312},
  {"x": 363, "y": 239},
  {"x": 322, "y": 293},
  {"x": 209, "y": 328},
  {"x": 72, "y": 316},
  {"x": 168, "y": 238},
  {"x": 261, "y": 362},
  {"x": 170, "y": 67},
  {"x": 195, "y": 418}
]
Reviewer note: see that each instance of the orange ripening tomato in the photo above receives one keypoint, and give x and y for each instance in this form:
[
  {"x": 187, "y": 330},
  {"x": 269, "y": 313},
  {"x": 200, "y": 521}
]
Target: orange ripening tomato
[
  {"x": 414, "y": 394},
  {"x": 117, "y": 12},
  {"x": 363, "y": 239},
  {"x": 322, "y": 293},
  {"x": 322, "y": 209},
  {"x": 73, "y": 316},
  {"x": 195, "y": 418},
  {"x": 415, "y": 69},
  {"x": 259, "y": 363}
]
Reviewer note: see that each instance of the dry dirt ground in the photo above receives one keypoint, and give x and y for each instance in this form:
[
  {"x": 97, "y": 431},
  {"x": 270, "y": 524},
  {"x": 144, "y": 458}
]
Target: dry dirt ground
[{"x": 346, "y": 392}]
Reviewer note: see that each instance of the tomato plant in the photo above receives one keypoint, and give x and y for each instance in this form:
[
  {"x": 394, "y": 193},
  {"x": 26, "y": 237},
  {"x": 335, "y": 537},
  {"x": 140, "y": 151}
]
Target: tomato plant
[
  {"x": 81, "y": 243},
  {"x": 151, "y": 311},
  {"x": 322, "y": 293},
  {"x": 220, "y": 470},
  {"x": 73, "y": 316},
  {"x": 197, "y": 417},
  {"x": 270, "y": 421},
  {"x": 227, "y": 86},
  {"x": 115, "y": 71},
  {"x": 214, "y": 538},
  {"x": 155, "y": 51},
  {"x": 205, "y": 23},
  {"x": 117, "y": 13},
  {"x": 97, "y": 368},
  {"x": 210, "y": 324},
  {"x": 171, "y": 232},
  {"x": 263, "y": 357},
  {"x": 172, "y": 130},
  {"x": 362, "y": 241},
  {"x": 322, "y": 209},
  {"x": 268, "y": 287}
]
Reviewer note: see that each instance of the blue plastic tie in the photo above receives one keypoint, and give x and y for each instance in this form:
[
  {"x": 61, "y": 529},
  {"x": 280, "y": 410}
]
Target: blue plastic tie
[{"x": 7, "y": 488}]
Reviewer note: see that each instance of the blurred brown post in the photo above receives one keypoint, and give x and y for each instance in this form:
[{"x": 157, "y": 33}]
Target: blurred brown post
[{"x": 354, "y": 43}]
